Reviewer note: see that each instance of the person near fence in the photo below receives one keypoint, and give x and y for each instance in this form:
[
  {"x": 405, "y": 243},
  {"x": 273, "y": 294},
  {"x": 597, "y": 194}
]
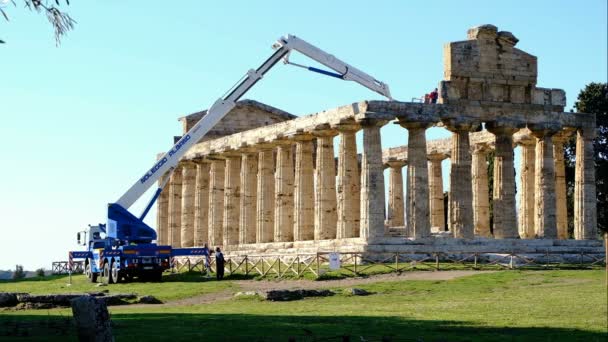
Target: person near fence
[
  {"x": 207, "y": 260},
  {"x": 219, "y": 263}
]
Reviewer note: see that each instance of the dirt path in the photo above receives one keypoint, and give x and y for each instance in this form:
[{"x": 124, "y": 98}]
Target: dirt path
[{"x": 267, "y": 285}]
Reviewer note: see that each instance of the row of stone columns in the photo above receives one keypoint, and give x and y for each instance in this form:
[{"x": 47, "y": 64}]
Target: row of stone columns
[
  {"x": 264, "y": 193},
  {"x": 542, "y": 211}
]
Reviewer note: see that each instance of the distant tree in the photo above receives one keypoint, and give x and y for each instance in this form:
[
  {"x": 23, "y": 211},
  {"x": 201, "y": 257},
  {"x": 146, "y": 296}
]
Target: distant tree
[
  {"x": 592, "y": 99},
  {"x": 40, "y": 272},
  {"x": 61, "y": 21},
  {"x": 19, "y": 273}
]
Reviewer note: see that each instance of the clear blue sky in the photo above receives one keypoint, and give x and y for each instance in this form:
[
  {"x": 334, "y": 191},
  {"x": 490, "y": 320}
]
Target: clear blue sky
[{"x": 81, "y": 122}]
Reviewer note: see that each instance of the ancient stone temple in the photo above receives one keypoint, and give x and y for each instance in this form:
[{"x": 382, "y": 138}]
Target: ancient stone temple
[{"x": 267, "y": 181}]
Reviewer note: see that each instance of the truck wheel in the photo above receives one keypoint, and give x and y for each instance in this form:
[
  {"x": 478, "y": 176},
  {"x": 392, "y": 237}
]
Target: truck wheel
[
  {"x": 115, "y": 273},
  {"x": 90, "y": 274},
  {"x": 107, "y": 274}
]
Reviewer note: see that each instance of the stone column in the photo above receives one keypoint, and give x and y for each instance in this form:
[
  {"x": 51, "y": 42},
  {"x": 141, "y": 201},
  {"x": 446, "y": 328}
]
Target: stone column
[
  {"x": 349, "y": 186},
  {"x": 504, "y": 182},
  {"x": 436, "y": 208},
  {"x": 526, "y": 195},
  {"x": 417, "y": 191},
  {"x": 460, "y": 201},
  {"x": 325, "y": 186},
  {"x": 162, "y": 212},
  {"x": 481, "y": 200},
  {"x": 561, "y": 211},
  {"x": 265, "y": 199},
  {"x": 585, "y": 202},
  {"x": 201, "y": 204},
  {"x": 303, "y": 190},
  {"x": 175, "y": 208},
  {"x": 395, "y": 214},
  {"x": 283, "y": 215},
  {"x": 544, "y": 181},
  {"x": 232, "y": 199},
  {"x": 372, "y": 181},
  {"x": 249, "y": 190},
  {"x": 188, "y": 189},
  {"x": 216, "y": 202}
]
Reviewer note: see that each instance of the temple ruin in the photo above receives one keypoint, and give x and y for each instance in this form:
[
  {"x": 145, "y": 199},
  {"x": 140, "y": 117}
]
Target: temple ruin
[{"x": 265, "y": 181}]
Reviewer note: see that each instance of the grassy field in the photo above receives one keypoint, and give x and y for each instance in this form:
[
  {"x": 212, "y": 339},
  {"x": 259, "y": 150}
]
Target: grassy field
[{"x": 501, "y": 306}]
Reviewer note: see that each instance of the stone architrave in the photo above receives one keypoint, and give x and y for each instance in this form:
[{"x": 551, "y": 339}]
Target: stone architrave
[
  {"x": 326, "y": 217},
  {"x": 265, "y": 196},
  {"x": 585, "y": 202},
  {"x": 188, "y": 190},
  {"x": 216, "y": 202},
  {"x": 303, "y": 189},
  {"x": 284, "y": 177},
  {"x": 526, "y": 194},
  {"x": 504, "y": 182},
  {"x": 417, "y": 192},
  {"x": 481, "y": 200},
  {"x": 249, "y": 190},
  {"x": 561, "y": 211},
  {"x": 372, "y": 181},
  {"x": 436, "y": 207},
  {"x": 349, "y": 186},
  {"x": 545, "y": 223},
  {"x": 201, "y": 203},
  {"x": 460, "y": 198},
  {"x": 395, "y": 213},
  {"x": 232, "y": 199},
  {"x": 175, "y": 208},
  {"x": 162, "y": 211}
]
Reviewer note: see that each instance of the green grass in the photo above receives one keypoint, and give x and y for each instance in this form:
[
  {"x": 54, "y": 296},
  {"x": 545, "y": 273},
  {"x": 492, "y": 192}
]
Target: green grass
[
  {"x": 174, "y": 286},
  {"x": 502, "y": 306}
]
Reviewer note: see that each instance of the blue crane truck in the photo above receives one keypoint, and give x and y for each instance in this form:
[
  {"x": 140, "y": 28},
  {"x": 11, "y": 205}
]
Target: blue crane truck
[{"x": 124, "y": 248}]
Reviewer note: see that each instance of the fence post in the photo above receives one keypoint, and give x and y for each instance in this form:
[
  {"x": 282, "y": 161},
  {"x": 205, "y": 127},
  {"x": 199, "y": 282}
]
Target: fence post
[
  {"x": 475, "y": 262},
  {"x": 246, "y": 266},
  {"x": 318, "y": 266},
  {"x": 356, "y": 257},
  {"x": 298, "y": 271},
  {"x": 279, "y": 262},
  {"x": 436, "y": 261}
]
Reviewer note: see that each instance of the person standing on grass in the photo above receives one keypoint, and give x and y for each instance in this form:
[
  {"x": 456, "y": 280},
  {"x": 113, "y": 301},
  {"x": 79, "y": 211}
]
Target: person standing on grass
[
  {"x": 219, "y": 263},
  {"x": 207, "y": 258}
]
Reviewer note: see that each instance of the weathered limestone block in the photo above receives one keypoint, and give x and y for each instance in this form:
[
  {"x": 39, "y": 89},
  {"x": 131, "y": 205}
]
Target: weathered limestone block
[
  {"x": 162, "y": 211},
  {"x": 585, "y": 205},
  {"x": 188, "y": 189},
  {"x": 201, "y": 203},
  {"x": 284, "y": 177},
  {"x": 325, "y": 187},
  {"x": 175, "y": 208},
  {"x": 303, "y": 189},
  {"x": 92, "y": 319},
  {"x": 216, "y": 202},
  {"x": 372, "y": 181},
  {"x": 504, "y": 182},
  {"x": 348, "y": 187},
  {"x": 249, "y": 189},
  {"x": 417, "y": 192},
  {"x": 265, "y": 199},
  {"x": 460, "y": 201},
  {"x": 544, "y": 210},
  {"x": 481, "y": 201},
  {"x": 561, "y": 211},
  {"x": 526, "y": 195},
  {"x": 395, "y": 214},
  {"x": 232, "y": 199}
]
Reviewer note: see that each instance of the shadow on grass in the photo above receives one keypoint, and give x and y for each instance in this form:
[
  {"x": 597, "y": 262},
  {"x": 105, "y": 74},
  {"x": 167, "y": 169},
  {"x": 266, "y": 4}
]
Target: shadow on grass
[{"x": 244, "y": 327}]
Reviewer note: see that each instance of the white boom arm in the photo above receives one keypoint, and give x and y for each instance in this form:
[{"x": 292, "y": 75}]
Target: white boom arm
[{"x": 222, "y": 106}]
